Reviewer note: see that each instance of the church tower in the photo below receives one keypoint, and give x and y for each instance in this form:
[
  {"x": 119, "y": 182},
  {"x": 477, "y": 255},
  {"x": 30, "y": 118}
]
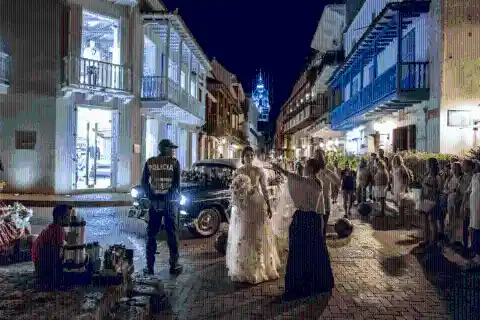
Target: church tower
[{"x": 261, "y": 97}]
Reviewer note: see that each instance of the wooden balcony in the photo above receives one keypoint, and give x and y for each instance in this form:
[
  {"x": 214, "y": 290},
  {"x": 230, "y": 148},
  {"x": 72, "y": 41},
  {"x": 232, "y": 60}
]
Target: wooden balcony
[
  {"x": 158, "y": 92},
  {"x": 382, "y": 96},
  {"x": 85, "y": 75}
]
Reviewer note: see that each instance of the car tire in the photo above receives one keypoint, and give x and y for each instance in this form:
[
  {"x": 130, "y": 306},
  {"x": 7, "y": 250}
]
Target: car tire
[{"x": 208, "y": 223}]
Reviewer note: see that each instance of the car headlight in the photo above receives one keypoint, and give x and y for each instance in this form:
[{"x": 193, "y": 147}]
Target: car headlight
[
  {"x": 183, "y": 200},
  {"x": 134, "y": 193}
]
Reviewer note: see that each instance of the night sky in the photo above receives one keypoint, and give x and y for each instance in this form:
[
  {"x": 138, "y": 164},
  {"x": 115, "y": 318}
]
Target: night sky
[{"x": 247, "y": 35}]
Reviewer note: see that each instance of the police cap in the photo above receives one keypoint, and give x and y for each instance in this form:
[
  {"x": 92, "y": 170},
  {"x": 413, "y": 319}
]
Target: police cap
[{"x": 166, "y": 143}]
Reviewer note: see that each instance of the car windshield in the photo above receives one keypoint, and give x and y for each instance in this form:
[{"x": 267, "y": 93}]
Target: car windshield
[{"x": 211, "y": 174}]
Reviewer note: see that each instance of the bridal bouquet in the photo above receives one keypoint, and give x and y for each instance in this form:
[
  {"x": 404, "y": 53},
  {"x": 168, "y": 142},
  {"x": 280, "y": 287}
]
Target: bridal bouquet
[{"x": 241, "y": 186}]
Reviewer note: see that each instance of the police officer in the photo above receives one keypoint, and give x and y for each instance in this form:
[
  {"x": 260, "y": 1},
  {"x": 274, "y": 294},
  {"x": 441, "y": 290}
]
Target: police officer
[{"x": 161, "y": 180}]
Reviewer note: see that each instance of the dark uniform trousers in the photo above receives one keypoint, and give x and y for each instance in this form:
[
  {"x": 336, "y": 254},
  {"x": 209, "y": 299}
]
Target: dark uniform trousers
[{"x": 167, "y": 210}]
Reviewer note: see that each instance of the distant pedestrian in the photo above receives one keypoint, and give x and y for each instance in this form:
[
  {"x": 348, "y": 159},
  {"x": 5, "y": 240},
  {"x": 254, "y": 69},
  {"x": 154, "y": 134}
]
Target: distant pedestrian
[
  {"x": 381, "y": 182},
  {"x": 372, "y": 167},
  {"x": 431, "y": 204},
  {"x": 364, "y": 179},
  {"x": 330, "y": 181},
  {"x": 468, "y": 168},
  {"x": 348, "y": 188},
  {"x": 474, "y": 199},
  {"x": 336, "y": 188}
]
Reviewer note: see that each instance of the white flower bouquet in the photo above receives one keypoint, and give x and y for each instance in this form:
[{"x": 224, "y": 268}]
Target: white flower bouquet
[{"x": 241, "y": 187}]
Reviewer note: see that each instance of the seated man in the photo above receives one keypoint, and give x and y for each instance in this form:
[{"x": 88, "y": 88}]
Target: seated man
[{"x": 47, "y": 249}]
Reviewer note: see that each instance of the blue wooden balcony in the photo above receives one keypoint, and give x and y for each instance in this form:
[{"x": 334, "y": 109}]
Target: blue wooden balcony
[
  {"x": 402, "y": 85},
  {"x": 382, "y": 96}
]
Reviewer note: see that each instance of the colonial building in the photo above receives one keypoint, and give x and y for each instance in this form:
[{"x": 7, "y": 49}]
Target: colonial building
[
  {"x": 251, "y": 129},
  {"x": 86, "y": 103},
  {"x": 226, "y": 116},
  {"x": 407, "y": 78},
  {"x": 300, "y": 111},
  {"x": 327, "y": 42},
  {"x": 173, "y": 88}
]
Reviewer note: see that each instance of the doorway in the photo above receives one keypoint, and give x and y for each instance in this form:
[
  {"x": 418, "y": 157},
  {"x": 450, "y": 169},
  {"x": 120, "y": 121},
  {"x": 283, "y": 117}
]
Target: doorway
[{"x": 94, "y": 146}]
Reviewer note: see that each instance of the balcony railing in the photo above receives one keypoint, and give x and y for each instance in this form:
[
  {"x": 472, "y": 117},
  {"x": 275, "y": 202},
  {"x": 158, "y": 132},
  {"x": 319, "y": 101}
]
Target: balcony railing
[
  {"x": 414, "y": 75},
  {"x": 5, "y": 68},
  {"x": 153, "y": 89},
  {"x": 92, "y": 74}
]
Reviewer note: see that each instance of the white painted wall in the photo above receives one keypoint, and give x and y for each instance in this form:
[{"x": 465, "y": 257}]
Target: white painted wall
[{"x": 329, "y": 33}]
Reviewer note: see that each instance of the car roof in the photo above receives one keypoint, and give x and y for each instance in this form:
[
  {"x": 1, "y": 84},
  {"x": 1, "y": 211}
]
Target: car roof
[{"x": 234, "y": 163}]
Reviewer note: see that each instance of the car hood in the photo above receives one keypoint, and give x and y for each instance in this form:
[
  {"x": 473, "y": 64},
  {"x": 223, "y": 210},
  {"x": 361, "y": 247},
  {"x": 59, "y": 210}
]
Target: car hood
[{"x": 195, "y": 190}]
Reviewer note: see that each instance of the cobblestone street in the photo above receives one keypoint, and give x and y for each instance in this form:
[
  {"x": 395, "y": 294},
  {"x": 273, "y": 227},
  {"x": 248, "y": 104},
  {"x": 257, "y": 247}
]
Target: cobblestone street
[{"x": 375, "y": 278}]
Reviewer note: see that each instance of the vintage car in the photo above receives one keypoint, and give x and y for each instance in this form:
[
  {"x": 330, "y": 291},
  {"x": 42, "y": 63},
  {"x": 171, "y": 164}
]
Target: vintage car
[{"x": 206, "y": 195}]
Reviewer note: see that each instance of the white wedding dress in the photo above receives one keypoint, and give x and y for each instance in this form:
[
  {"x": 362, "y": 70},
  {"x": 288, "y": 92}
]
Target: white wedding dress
[{"x": 252, "y": 255}]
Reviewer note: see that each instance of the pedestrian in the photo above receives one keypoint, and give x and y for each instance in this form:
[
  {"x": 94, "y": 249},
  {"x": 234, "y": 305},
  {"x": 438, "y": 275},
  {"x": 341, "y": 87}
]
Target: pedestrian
[
  {"x": 336, "y": 187},
  {"x": 382, "y": 157},
  {"x": 308, "y": 271},
  {"x": 372, "y": 167},
  {"x": 431, "y": 204},
  {"x": 330, "y": 180},
  {"x": 348, "y": 188},
  {"x": 468, "y": 167},
  {"x": 381, "y": 182},
  {"x": 474, "y": 199},
  {"x": 453, "y": 219},
  {"x": 364, "y": 179},
  {"x": 161, "y": 181}
]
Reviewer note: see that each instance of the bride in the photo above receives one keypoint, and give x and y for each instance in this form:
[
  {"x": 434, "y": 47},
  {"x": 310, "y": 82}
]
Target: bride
[{"x": 252, "y": 255}]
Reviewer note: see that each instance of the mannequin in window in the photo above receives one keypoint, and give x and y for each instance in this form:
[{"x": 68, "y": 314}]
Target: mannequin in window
[{"x": 91, "y": 52}]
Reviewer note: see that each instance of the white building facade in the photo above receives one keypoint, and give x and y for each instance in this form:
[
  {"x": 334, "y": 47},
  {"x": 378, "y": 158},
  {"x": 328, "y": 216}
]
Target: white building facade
[
  {"x": 173, "y": 86},
  {"x": 402, "y": 86},
  {"x": 71, "y": 119},
  {"x": 327, "y": 41}
]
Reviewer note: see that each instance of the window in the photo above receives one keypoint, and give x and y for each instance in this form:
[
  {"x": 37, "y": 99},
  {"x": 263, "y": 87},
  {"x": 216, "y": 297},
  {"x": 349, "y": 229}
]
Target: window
[
  {"x": 182, "y": 79},
  {"x": 355, "y": 86},
  {"x": 193, "y": 88},
  {"x": 25, "y": 140},
  {"x": 172, "y": 70},
  {"x": 408, "y": 47},
  {"x": 149, "y": 61},
  {"x": 100, "y": 38},
  {"x": 371, "y": 73}
]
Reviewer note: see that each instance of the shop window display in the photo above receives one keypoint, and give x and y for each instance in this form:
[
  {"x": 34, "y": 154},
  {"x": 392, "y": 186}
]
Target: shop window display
[{"x": 100, "y": 65}]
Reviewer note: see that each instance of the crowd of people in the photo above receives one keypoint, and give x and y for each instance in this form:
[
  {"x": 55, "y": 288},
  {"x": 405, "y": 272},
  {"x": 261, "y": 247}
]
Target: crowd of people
[{"x": 449, "y": 202}]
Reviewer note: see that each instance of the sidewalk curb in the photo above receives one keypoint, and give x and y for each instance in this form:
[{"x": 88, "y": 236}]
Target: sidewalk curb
[{"x": 74, "y": 203}]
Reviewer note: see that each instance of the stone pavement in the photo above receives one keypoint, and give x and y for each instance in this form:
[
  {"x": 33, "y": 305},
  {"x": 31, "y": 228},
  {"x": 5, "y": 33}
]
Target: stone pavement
[
  {"x": 375, "y": 278},
  {"x": 78, "y": 200}
]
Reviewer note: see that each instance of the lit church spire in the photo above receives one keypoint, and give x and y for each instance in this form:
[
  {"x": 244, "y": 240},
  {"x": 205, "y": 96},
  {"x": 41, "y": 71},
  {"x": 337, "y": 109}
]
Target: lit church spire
[{"x": 261, "y": 97}]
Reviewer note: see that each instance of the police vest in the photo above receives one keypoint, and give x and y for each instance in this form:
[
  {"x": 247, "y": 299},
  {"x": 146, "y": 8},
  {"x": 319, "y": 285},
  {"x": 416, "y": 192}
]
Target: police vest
[{"x": 162, "y": 173}]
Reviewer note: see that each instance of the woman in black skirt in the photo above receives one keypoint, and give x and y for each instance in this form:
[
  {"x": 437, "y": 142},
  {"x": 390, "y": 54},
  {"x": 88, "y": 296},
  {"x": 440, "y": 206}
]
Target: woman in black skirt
[{"x": 309, "y": 272}]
